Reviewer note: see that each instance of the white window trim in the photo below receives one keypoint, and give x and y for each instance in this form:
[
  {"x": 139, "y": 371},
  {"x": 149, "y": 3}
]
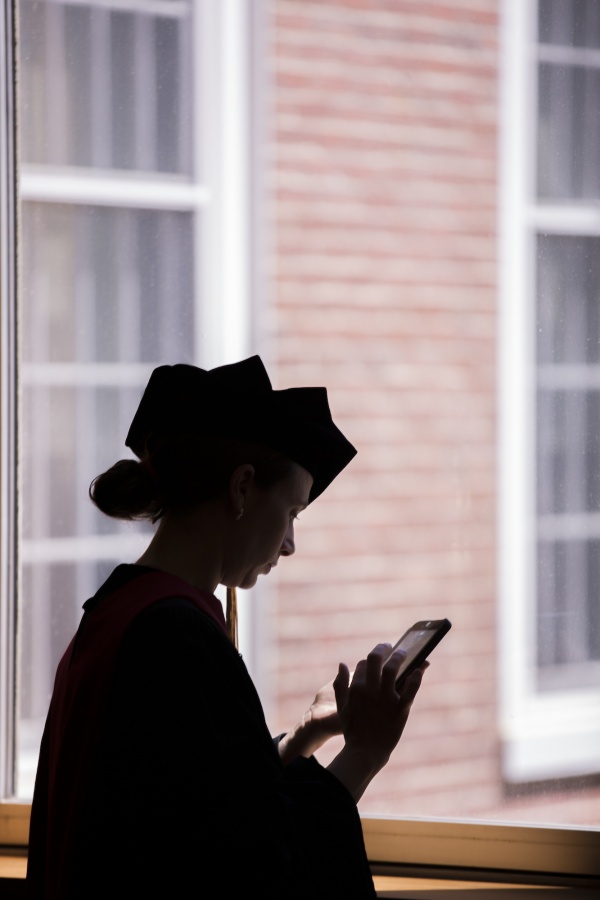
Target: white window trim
[
  {"x": 70, "y": 185},
  {"x": 222, "y": 144}
]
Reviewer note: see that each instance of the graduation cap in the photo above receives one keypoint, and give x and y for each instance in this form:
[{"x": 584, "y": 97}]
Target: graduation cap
[{"x": 238, "y": 401}]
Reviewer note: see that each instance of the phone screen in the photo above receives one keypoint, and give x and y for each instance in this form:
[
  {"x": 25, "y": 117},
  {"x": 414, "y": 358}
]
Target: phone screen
[{"x": 419, "y": 641}]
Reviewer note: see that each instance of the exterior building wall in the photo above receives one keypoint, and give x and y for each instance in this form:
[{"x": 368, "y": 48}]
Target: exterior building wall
[{"x": 383, "y": 181}]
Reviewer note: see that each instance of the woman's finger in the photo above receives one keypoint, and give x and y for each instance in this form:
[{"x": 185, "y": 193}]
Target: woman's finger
[
  {"x": 410, "y": 686},
  {"x": 375, "y": 661},
  {"x": 340, "y": 686},
  {"x": 391, "y": 667}
]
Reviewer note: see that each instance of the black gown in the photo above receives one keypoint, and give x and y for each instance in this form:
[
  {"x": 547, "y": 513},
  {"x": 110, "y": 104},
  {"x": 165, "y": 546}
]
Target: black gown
[{"x": 181, "y": 791}]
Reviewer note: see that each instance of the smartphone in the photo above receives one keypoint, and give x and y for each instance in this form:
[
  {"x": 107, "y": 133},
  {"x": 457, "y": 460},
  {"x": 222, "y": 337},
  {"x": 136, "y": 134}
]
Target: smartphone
[{"x": 419, "y": 641}]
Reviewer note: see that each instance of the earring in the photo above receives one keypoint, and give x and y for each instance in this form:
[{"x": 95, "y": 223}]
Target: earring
[{"x": 240, "y": 514}]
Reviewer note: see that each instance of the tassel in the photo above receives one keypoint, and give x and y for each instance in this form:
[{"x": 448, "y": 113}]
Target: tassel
[{"x": 232, "y": 619}]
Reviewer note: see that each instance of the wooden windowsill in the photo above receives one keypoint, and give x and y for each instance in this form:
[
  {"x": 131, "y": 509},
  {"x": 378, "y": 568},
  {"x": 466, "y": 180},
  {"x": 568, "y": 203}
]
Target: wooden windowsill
[
  {"x": 403, "y": 888},
  {"x": 13, "y": 866}
]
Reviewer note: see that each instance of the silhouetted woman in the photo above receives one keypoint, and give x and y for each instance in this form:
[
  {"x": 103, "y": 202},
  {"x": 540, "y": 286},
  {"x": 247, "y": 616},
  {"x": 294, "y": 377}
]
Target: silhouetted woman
[{"x": 158, "y": 776}]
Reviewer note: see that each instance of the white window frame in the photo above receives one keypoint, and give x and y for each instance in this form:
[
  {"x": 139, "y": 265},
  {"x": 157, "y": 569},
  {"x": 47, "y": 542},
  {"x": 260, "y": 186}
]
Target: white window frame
[
  {"x": 492, "y": 850},
  {"x": 557, "y": 733}
]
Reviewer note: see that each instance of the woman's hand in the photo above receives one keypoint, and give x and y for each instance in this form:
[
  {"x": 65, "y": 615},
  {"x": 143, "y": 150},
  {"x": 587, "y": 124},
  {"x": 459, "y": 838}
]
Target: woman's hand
[
  {"x": 372, "y": 713},
  {"x": 322, "y": 717},
  {"x": 320, "y": 722}
]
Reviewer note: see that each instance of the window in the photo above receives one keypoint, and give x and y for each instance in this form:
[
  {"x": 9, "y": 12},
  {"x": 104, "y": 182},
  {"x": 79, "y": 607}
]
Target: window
[
  {"x": 551, "y": 725},
  {"x": 140, "y": 243},
  {"x": 124, "y": 108}
]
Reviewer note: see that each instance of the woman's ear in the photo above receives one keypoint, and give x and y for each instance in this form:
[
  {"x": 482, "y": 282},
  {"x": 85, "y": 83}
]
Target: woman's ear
[{"x": 240, "y": 483}]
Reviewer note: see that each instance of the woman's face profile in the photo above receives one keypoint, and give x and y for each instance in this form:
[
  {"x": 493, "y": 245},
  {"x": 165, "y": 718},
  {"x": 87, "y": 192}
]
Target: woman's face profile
[{"x": 266, "y": 530}]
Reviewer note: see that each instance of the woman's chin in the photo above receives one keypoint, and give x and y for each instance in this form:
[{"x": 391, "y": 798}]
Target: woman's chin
[
  {"x": 249, "y": 581},
  {"x": 252, "y": 577}
]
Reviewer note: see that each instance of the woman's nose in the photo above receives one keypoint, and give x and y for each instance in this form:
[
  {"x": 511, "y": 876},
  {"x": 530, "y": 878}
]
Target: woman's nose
[{"x": 288, "y": 547}]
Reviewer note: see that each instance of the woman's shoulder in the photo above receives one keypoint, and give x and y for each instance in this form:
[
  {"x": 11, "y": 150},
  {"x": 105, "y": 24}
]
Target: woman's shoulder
[
  {"x": 173, "y": 636},
  {"x": 172, "y": 646},
  {"x": 144, "y": 607},
  {"x": 119, "y": 577},
  {"x": 180, "y": 612}
]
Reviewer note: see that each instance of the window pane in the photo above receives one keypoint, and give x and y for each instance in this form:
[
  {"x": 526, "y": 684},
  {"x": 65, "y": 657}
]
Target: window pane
[
  {"x": 568, "y": 460},
  {"x": 568, "y": 131},
  {"x": 568, "y": 308},
  {"x": 569, "y": 633},
  {"x": 50, "y": 610},
  {"x": 106, "y": 285},
  {"x": 572, "y": 23},
  {"x": 105, "y": 88}
]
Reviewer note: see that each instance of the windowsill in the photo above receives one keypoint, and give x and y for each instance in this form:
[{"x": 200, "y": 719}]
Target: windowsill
[
  {"x": 443, "y": 889},
  {"x": 421, "y": 859},
  {"x": 13, "y": 866}
]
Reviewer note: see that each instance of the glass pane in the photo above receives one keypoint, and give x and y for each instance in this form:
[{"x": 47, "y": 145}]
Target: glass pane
[
  {"x": 568, "y": 471},
  {"x": 95, "y": 283},
  {"x": 568, "y": 623},
  {"x": 567, "y": 460},
  {"x": 50, "y": 610},
  {"x": 568, "y": 132},
  {"x": 106, "y": 88},
  {"x": 569, "y": 22},
  {"x": 568, "y": 299}
]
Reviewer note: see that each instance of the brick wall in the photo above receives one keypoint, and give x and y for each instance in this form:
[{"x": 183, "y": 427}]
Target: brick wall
[{"x": 383, "y": 187}]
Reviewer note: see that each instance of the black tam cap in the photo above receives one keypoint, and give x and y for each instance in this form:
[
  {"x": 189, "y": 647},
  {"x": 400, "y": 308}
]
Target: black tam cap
[{"x": 238, "y": 401}]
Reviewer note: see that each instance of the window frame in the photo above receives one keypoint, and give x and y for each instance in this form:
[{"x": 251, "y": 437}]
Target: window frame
[
  {"x": 567, "y": 854},
  {"x": 529, "y": 720}
]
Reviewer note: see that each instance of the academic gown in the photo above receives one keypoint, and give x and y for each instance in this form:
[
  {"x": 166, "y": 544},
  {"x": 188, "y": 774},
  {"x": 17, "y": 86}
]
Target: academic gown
[{"x": 158, "y": 776}]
